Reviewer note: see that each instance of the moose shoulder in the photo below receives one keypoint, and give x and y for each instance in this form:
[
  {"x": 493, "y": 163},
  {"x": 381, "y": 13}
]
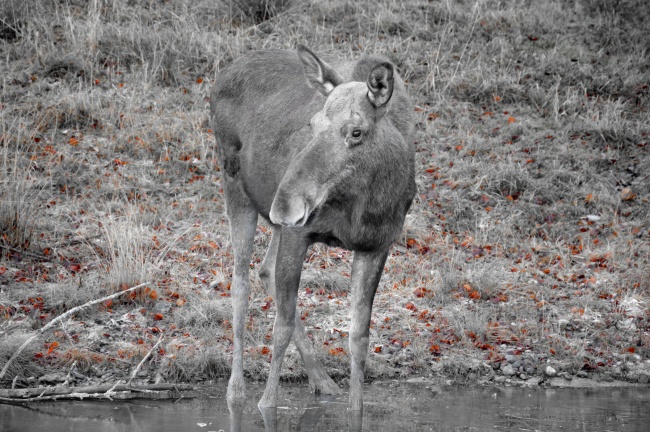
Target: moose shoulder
[{"x": 324, "y": 153}]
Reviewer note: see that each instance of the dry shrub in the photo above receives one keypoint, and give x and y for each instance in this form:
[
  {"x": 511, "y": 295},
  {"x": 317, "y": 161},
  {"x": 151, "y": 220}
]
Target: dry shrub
[
  {"x": 23, "y": 365},
  {"x": 129, "y": 249},
  {"x": 197, "y": 363},
  {"x": 18, "y": 200},
  {"x": 258, "y": 11},
  {"x": 14, "y": 15}
]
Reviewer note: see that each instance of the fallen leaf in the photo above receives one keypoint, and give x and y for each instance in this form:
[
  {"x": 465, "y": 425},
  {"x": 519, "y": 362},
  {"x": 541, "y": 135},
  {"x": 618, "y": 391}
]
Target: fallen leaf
[
  {"x": 420, "y": 292},
  {"x": 410, "y": 306},
  {"x": 627, "y": 194}
]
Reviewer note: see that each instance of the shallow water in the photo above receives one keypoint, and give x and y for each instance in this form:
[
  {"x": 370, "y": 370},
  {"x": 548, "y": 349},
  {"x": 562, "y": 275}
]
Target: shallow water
[{"x": 388, "y": 407}]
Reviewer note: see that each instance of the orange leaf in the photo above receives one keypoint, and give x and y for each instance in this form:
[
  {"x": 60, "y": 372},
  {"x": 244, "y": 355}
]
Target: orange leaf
[
  {"x": 378, "y": 349},
  {"x": 52, "y": 347},
  {"x": 158, "y": 317},
  {"x": 153, "y": 295},
  {"x": 199, "y": 80},
  {"x": 410, "y": 306},
  {"x": 475, "y": 295},
  {"x": 73, "y": 141},
  {"x": 589, "y": 198},
  {"x": 511, "y": 119},
  {"x": 496, "y": 98},
  {"x": 265, "y": 350}
]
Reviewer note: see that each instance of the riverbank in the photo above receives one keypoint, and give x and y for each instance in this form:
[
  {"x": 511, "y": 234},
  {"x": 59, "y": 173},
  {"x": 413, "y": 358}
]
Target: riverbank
[{"x": 526, "y": 248}]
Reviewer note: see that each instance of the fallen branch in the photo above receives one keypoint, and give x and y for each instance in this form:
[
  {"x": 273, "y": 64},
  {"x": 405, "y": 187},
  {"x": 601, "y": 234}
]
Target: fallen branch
[
  {"x": 60, "y": 318},
  {"x": 135, "y": 371},
  {"x": 23, "y": 252},
  {"x": 35, "y": 393}
]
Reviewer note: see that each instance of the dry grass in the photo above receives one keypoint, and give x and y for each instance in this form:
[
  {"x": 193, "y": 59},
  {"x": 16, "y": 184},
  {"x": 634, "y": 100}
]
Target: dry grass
[{"x": 530, "y": 229}]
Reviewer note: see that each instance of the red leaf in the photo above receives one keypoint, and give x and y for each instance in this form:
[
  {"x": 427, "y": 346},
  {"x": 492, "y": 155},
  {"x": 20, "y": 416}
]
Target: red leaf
[{"x": 420, "y": 292}]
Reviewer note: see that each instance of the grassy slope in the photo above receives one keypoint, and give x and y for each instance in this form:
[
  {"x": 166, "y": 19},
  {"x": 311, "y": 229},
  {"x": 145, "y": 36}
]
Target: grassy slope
[{"x": 530, "y": 230}]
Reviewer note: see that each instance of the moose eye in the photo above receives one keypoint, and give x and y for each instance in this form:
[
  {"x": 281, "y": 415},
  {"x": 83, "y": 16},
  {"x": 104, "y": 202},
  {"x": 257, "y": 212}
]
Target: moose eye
[{"x": 356, "y": 133}]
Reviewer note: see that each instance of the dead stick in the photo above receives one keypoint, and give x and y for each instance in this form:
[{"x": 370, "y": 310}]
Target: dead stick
[
  {"x": 99, "y": 389},
  {"x": 135, "y": 371},
  {"x": 60, "y": 318}
]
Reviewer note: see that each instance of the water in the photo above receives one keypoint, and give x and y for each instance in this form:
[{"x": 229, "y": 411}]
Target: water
[{"x": 394, "y": 407}]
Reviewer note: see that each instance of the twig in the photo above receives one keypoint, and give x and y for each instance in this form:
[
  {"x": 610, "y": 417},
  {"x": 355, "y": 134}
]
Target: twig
[
  {"x": 59, "y": 391},
  {"x": 111, "y": 391},
  {"x": 137, "y": 368},
  {"x": 74, "y": 242},
  {"x": 23, "y": 252},
  {"x": 180, "y": 395},
  {"x": 67, "y": 378},
  {"x": 60, "y": 318}
]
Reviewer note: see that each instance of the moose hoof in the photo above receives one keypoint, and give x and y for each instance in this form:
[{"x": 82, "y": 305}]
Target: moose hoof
[{"x": 324, "y": 386}]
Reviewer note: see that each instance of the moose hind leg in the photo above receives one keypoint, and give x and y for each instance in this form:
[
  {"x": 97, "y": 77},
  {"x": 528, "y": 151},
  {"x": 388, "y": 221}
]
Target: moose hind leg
[
  {"x": 243, "y": 221},
  {"x": 319, "y": 380},
  {"x": 366, "y": 272}
]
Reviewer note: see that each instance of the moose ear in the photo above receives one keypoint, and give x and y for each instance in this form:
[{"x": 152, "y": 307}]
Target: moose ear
[
  {"x": 380, "y": 84},
  {"x": 320, "y": 75}
]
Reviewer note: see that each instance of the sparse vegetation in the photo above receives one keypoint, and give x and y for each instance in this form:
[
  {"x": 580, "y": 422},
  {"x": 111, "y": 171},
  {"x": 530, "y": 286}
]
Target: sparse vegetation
[{"x": 530, "y": 234}]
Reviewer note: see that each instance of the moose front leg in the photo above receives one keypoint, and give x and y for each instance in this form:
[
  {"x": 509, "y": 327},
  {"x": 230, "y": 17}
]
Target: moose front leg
[
  {"x": 243, "y": 221},
  {"x": 366, "y": 272},
  {"x": 319, "y": 381},
  {"x": 288, "y": 266}
]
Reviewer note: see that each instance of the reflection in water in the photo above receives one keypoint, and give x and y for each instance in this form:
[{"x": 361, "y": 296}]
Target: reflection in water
[
  {"x": 390, "y": 407},
  {"x": 310, "y": 418}
]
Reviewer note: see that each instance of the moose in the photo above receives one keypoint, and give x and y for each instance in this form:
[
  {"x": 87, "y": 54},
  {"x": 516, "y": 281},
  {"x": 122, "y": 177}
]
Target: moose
[{"x": 323, "y": 153}]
